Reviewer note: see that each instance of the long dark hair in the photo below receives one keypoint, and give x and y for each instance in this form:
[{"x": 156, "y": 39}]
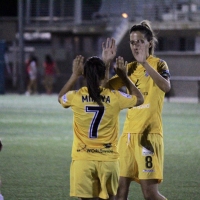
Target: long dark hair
[
  {"x": 48, "y": 59},
  {"x": 32, "y": 58},
  {"x": 94, "y": 72}
]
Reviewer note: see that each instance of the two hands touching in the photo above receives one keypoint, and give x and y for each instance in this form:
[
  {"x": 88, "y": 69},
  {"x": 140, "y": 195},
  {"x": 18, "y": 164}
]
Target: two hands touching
[
  {"x": 109, "y": 50},
  {"x": 108, "y": 54},
  {"x": 140, "y": 51}
]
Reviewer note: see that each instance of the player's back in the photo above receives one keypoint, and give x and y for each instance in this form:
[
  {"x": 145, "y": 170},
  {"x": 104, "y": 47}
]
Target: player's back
[{"x": 96, "y": 127}]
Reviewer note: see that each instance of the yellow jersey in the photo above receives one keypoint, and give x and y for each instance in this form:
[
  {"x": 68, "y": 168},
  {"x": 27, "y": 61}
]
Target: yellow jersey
[
  {"x": 149, "y": 113},
  {"x": 96, "y": 127}
]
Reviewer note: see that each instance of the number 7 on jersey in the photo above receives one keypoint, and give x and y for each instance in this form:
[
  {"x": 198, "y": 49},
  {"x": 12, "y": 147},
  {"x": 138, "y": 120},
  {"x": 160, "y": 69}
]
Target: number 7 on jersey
[{"x": 98, "y": 114}]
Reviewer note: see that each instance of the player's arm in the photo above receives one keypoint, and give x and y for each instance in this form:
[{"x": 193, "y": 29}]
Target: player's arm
[
  {"x": 109, "y": 50},
  {"x": 77, "y": 71},
  {"x": 121, "y": 70},
  {"x": 162, "y": 82}
]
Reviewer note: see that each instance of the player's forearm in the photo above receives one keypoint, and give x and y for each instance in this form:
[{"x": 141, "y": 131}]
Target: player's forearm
[
  {"x": 68, "y": 86},
  {"x": 104, "y": 82},
  {"x": 160, "y": 81},
  {"x": 133, "y": 90}
]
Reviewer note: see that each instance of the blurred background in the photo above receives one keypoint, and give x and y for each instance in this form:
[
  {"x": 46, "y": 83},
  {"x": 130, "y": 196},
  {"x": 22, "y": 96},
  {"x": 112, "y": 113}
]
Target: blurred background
[{"x": 66, "y": 28}]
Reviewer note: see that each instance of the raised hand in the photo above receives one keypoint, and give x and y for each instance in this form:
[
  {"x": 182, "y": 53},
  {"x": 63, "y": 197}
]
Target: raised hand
[
  {"x": 77, "y": 68},
  {"x": 109, "y": 50},
  {"x": 121, "y": 67}
]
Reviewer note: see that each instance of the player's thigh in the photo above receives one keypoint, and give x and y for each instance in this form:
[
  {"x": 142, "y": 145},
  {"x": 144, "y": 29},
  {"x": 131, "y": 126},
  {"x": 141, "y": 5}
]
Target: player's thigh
[
  {"x": 126, "y": 148},
  {"x": 123, "y": 189},
  {"x": 84, "y": 181},
  {"x": 109, "y": 178}
]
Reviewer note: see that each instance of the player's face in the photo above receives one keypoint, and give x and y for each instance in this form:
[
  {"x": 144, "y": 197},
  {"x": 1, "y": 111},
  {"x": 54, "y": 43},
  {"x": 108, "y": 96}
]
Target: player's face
[{"x": 138, "y": 41}]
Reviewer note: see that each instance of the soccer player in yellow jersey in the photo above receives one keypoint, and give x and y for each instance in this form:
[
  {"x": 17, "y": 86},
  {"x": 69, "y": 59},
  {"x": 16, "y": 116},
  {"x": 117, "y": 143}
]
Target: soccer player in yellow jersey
[
  {"x": 94, "y": 172},
  {"x": 141, "y": 143}
]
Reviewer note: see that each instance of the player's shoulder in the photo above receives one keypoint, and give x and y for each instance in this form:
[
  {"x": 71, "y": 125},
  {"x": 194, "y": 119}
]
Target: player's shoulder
[
  {"x": 160, "y": 61},
  {"x": 109, "y": 92},
  {"x": 75, "y": 93},
  {"x": 82, "y": 90},
  {"x": 132, "y": 66},
  {"x": 116, "y": 93},
  {"x": 162, "y": 64}
]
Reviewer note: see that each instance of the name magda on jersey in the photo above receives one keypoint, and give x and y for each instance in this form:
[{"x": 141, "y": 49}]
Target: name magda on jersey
[{"x": 96, "y": 127}]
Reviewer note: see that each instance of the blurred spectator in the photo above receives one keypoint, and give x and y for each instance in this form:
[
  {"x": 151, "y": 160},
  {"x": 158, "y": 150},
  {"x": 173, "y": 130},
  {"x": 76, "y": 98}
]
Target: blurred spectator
[
  {"x": 31, "y": 67},
  {"x": 1, "y": 145},
  {"x": 50, "y": 70},
  {"x": 1, "y": 196}
]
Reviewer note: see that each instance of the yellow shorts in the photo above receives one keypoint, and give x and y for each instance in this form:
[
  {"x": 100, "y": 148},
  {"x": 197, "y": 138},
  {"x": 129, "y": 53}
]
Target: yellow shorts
[
  {"x": 90, "y": 179},
  {"x": 137, "y": 162}
]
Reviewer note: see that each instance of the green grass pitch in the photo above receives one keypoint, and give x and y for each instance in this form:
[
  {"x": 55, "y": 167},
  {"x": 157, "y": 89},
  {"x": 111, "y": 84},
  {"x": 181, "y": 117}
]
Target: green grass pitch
[{"x": 37, "y": 137}]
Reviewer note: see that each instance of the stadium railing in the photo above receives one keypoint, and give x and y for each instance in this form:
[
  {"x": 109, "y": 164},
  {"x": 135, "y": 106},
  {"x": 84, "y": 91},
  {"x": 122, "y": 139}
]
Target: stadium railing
[{"x": 186, "y": 78}]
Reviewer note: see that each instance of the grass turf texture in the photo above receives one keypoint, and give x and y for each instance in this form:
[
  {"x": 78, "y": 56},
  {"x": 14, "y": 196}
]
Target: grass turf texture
[{"x": 37, "y": 137}]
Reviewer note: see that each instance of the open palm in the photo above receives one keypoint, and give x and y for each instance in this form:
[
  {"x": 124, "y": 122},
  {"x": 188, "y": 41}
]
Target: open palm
[{"x": 109, "y": 50}]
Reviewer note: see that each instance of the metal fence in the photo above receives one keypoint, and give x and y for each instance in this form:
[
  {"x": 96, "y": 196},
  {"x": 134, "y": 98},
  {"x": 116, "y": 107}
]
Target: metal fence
[
  {"x": 2, "y": 66},
  {"x": 55, "y": 11}
]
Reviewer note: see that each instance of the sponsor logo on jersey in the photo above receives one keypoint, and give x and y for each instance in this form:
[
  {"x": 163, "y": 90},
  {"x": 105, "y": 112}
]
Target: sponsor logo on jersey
[
  {"x": 108, "y": 145},
  {"x": 83, "y": 147},
  {"x": 137, "y": 84},
  {"x": 100, "y": 151},
  {"x": 146, "y": 73},
  {"x": 64, "y": 98},
  {"x": 95, "y": 150},
  {"x": 148, "y": 170},
  {"x": 143, "y": 106},
  {"x": 146, "y": 152}
]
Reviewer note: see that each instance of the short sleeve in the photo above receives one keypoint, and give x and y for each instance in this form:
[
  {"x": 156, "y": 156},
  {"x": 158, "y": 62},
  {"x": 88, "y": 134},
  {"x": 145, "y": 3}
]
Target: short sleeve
[
  {"x": 126, "y": 100},
  {"x": 67, "y": 99},
  {"x": 115, "y": 82},
  {"x": 163, "y": 69}
]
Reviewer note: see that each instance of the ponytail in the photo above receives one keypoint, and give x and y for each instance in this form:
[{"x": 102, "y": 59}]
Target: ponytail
[{"x": 94, "y": 72}]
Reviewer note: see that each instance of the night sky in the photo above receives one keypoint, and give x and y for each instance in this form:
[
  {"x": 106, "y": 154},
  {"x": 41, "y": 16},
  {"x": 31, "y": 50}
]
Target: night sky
[{"x": 8, "y": 8}]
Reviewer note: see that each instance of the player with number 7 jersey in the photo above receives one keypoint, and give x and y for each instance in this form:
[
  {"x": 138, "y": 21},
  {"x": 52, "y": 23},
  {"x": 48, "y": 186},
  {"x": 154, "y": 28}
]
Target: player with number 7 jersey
[
  {"x": 96, "y": 127},
  {"x": 94, "y": 171}
]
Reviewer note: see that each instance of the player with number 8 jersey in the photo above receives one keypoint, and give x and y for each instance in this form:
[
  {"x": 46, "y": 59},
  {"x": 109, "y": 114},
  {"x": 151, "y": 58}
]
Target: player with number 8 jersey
[{"x": 141, "y": 144}]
